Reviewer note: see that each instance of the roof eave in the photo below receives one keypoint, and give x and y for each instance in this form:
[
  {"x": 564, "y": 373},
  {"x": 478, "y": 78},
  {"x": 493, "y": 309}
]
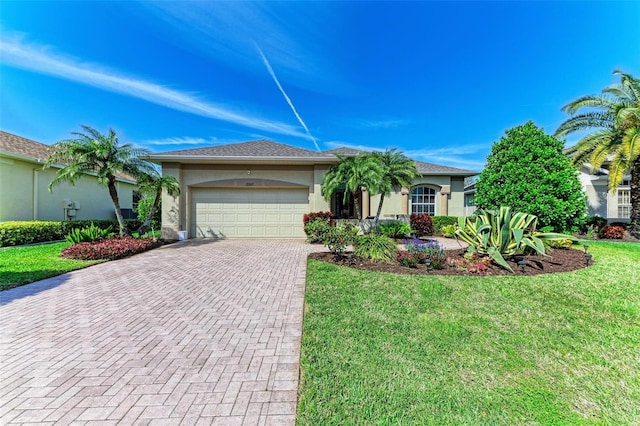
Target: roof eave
[{"x": 238, "y": 159}]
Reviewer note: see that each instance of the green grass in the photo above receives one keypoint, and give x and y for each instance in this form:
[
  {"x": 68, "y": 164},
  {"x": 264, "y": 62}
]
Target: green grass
[
  {"x": 26, "y": 264},
  {"x": 559, "y": 349}
]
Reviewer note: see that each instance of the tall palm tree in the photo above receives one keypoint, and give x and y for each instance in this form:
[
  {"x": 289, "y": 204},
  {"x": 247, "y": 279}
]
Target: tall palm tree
[
  {"x": 95, "y": 154},
  {"x": 614, "y": 119},
  {"x": 154, "y": 183},
  {"x": 352, "y": 174},
  {"x": 398, "y": 171}
]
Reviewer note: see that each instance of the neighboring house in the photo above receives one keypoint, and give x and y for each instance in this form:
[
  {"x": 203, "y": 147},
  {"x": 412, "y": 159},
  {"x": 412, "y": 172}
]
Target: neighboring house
[
  {"x": 262, "y": 189},
  {"x": 24, "y": 193},
  {"x": 613, "y": 206}
]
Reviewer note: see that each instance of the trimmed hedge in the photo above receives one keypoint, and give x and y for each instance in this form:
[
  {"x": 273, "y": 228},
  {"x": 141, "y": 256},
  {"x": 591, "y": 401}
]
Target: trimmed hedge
[
  {"x": 440, "y": 221},
  {"x": 18, "y": 233}
]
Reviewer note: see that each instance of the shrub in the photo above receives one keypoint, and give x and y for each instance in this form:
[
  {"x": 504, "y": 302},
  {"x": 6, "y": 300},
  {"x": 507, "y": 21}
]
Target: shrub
[
  {"x": 395, "y": 229},
  {"x": 449, "y": 230},
  {"x": 92, "y": 233},
  {"x": 472, "y": 264},
  {"x": 109, "y": 249},
  {"x": 339, "y": 237},
  {"x": 528, "y": 171},
  {"x": 144, "y": 207},
  {"x": 612, "y": 232},
  {"x": 429, "y": 251},
  {"x": 596, "y": 222},
  {"x": 408, "y": 259},
  {"x": 376, "y": 248},
  {"x": 422, "y": 224},
  {"x": 317, "y": 230},
  {"x": 326, "y": 216},
  {"x": 560, "y": 244},
  {"x": 441, "y": 221},
  {"x": 499, "y": 234}
]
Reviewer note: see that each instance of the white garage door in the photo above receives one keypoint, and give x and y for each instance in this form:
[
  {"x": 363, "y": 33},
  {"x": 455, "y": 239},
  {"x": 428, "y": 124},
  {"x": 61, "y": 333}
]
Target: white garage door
[{"x": 248, "y": 213}]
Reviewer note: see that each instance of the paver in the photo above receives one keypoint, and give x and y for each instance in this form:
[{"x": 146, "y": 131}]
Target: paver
[{"x": 198, "y": 332}]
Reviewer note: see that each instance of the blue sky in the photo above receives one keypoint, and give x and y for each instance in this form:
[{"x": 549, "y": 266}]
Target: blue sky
[{"x": 441, "y": 81}]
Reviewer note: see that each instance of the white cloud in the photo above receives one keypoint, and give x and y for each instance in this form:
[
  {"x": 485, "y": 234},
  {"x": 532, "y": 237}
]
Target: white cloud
[
  {"x": 40, "y": 59},
  {"x": 185, "y": 140},
  {"x": 382, "y": 124}
]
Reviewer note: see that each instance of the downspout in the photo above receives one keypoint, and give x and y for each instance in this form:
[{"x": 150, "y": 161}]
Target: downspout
[{"x": 35, "y": 193}]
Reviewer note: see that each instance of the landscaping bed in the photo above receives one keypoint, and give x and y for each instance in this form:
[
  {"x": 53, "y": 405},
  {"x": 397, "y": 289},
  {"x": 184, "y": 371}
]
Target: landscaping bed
[{"x": 560, "y": 260}]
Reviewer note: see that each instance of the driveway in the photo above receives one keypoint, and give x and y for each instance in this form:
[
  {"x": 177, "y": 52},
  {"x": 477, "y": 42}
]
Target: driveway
[{"x": 192, "y": 333}]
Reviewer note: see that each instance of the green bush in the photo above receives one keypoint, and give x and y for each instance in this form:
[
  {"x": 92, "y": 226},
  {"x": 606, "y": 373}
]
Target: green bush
[
  {"x": 19, "y": 233},
  {"x": 144, "y": 207},
  {"x": 449, "y": 231},
  {"x": 376, "y": 248},
  {"x": 395, "y": 229},
  {"x": 317, "y": 231},
  {"x": 339, "y": 237},
  {"x": 85, "y": 235},
  {"x": 499, "y": 233},
  {"x": 528, "y": 171},
  {"x": 440, "y": 221}
]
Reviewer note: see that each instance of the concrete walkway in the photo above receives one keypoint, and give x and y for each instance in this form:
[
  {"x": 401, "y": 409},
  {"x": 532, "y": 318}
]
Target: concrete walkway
[{"x": 191, "y": 333}]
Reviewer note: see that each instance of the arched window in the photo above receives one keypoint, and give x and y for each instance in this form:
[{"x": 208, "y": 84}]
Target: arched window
[{"x": 423, "y": 200}]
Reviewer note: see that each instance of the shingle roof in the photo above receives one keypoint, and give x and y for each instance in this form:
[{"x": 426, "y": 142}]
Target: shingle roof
[
  {"x": 23, "y": 147},
  {"x": 430, "y": 168},
  {"x": 343, "y": 150},
  {"x": 29, "y": 149},
  {"x": 259, "y": 148}
]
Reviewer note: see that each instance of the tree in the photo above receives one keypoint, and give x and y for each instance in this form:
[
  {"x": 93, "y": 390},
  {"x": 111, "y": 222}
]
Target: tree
[
  {"x": 528, "y": 171},
  {"x": 92, "y": 153},
  {"x": 352, "y": 174},
  {"x": 398, "y": 170},
  {"x": 153, "y": 184},
  {"x": 613, "y": 120}
]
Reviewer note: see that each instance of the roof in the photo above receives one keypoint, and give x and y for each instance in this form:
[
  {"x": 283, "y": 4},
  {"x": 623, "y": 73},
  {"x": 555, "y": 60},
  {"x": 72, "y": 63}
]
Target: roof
[
  {"x": 265, "y": 150},
  {"x": 29, "y": 150},
  {"x": 24, "y": 147},
  {"x": 255, "y": 149}
]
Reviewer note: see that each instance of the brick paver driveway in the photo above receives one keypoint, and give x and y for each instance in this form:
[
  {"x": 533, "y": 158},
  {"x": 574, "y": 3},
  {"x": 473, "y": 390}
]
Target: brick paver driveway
[{"x": 191, "y": 333}]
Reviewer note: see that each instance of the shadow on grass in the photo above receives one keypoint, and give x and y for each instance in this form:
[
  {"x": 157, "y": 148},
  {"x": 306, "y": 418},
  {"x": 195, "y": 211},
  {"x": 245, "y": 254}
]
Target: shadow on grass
[{"x": 19, "y": 290}]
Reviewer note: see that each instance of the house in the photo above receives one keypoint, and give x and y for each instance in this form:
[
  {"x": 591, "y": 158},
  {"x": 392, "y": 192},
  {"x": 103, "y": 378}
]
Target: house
[
  {"x": 262, "y": 189},
  {"x": 613, "y": 206},
  {"x": 24, "y": 193}
]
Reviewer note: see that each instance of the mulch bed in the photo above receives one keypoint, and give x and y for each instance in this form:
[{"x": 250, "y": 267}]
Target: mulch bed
[{"x": 560, "y": 260}]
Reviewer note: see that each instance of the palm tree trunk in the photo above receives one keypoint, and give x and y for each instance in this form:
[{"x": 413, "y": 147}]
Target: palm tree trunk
[
  {"x": 116, "y": 203},
  {"x": 145, "y": 226},
  {"x": 375, "y": 222},
  {"x": 356, "y": 204},
  {"x": 635, "y": 195}
]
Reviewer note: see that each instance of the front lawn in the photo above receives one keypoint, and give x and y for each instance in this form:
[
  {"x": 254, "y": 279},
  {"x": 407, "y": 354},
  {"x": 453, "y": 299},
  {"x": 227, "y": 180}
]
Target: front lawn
[
  {"x": 554, "y": 349},
  {"x": 26, "y": 264}
]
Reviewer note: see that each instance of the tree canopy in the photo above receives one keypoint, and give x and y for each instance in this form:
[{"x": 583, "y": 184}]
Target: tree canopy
[
  {"x": 528, "y": 171},
  {"x": 612, "y": 122}
]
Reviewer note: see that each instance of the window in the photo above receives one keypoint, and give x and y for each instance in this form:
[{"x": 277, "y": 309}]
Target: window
[
  {"x": 624, "y": 204},
  {"x": 423, "y": 200}
]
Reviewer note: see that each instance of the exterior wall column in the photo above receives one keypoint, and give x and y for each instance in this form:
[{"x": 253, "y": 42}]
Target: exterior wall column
[
  {"x": 444, "y": 201},
  {"x": 365, "y": 203},
  {"x": 404, "y": 192}
]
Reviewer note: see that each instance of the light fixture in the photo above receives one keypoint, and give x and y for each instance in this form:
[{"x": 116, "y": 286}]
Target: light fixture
[
  {"x": 587, "y": 258},
  {"x": 586, "y": 247},
  {"x": 522, "y": 264},
  {"x": 248, "y": 171}
]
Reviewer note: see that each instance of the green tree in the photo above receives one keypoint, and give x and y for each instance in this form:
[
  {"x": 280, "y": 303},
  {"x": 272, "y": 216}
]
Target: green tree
[
  {"x": 95, "y": 154},
  {"x": 398, "y": 170},
  {"x": 528, "y": 171},
  {"x": 352, "y": 173},
  {"x": 613, "y": 122},
  {"x": 153, "y": 184}
]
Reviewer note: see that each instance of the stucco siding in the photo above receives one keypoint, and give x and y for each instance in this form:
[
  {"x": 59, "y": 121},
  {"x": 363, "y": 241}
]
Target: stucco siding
[
  {"x": 456, "y": 198},
  {"x": 24, "y": 194}
]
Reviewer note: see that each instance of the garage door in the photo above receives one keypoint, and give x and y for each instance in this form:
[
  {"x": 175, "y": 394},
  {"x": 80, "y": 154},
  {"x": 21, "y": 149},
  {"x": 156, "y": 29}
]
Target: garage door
[{"x": 248, "y": 213}]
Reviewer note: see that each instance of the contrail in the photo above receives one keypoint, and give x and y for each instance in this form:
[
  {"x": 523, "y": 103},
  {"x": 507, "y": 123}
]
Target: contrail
[{"x": 286, "y": 97}]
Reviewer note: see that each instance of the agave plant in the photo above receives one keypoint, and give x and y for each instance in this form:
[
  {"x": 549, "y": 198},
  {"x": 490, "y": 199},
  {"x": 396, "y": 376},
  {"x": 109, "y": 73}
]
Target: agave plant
[{"x": 500, "y": 233}]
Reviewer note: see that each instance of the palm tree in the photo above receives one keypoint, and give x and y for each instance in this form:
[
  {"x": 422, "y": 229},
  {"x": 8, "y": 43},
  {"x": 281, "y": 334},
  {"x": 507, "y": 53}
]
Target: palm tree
[
  {"x": 154, "y": 183},
  {"x": 352, "y": 174},
  {"x": 398, "y": 171},
  {"x": 614, "y": 119},
  {"x": 95, "y": 154}
]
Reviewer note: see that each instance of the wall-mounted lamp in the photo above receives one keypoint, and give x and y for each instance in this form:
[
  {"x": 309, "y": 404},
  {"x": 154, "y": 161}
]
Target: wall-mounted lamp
[{"x": 248, "y": 171}]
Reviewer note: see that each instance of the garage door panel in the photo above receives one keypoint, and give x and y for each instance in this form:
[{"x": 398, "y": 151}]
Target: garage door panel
[{"x": 248, "y": 213}]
